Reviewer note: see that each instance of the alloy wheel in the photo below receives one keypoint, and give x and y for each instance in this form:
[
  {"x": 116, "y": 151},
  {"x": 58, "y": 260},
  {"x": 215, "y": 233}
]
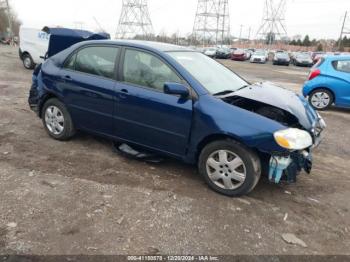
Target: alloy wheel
[
  {"x": 226, "y": 169},
  {"x": 320, "y": 100},
  {"x": 54, "y": 120}
]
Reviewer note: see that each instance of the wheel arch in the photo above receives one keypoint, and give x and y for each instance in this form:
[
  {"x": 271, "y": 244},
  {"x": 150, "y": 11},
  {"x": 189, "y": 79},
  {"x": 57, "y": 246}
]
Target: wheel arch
[
  {"x": 216, "y": 137},
  {"x": 45, "y": 98},
  {"x": 23, "y": 53}
]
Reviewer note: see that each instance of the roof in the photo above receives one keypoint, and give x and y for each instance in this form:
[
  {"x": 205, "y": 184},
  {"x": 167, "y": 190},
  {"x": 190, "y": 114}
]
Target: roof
[
  {"x": 163, "y": 47},
  {"x": 337, "y": 57}
]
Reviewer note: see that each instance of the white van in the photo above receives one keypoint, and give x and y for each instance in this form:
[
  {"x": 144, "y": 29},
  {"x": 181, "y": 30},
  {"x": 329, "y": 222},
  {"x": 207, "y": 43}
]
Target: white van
[{"x": 33, "y": 46}]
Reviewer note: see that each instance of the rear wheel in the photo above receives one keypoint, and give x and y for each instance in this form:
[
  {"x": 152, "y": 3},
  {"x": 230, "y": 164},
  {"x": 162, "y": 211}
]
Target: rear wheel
[
  {"x": 229, "y": 168},
  {"x": 57, "y": 120},
  {"x": 321, "y": 99},
  {"x": 28, "y": 62}
]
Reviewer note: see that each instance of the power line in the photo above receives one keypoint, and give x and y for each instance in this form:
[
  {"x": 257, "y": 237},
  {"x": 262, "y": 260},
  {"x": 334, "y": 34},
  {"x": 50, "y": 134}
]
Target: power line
[
  {"x": 212, "y": 21},
  {"x": 134, "y": 20}
]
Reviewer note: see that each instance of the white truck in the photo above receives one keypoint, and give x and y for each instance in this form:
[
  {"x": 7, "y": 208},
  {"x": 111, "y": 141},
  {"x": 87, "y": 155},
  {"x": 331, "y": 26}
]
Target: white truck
[{"x": 33, "y": 46}]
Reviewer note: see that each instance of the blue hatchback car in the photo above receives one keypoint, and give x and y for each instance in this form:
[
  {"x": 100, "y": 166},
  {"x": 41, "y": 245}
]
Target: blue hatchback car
[
  {"x": 329, "y": 83},
  {"x": 177, "y": 102}
]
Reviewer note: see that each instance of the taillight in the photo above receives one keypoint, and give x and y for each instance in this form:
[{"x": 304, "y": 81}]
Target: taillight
[{"x": 315, "y": 73}]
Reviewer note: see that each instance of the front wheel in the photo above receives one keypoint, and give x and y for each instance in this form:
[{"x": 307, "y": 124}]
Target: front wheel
[
  {"x": 229, "y": 168},
  {"x": 57, "y": 120},
  {"x": 28, "y": 62}
]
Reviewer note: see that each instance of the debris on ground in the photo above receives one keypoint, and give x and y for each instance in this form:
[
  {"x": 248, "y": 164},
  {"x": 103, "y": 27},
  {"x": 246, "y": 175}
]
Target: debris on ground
[
  {"x": 292, "y": 239},
  {"x": 120, "y": 220},
  {"x": 12, "y": 225}
]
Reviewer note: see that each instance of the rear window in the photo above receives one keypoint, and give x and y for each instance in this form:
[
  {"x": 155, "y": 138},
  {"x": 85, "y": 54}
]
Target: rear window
[{"x": 343, "y": 65}]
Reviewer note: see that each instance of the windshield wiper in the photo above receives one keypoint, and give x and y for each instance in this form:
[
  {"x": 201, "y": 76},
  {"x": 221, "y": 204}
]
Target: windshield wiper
[
  {"x": 226, "y": 92},
  {"x": 245, "y": 86}
]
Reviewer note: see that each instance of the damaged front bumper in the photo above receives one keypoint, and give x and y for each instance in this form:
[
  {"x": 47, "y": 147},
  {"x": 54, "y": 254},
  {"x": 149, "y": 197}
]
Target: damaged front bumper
[{"x": 288, "y": 167}]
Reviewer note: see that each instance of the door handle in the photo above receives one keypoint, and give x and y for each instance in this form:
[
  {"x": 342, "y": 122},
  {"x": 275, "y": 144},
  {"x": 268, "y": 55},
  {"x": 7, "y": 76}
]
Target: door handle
[
  {"x": 123, "y": 93},
  {"x": 68, "y": 78}
]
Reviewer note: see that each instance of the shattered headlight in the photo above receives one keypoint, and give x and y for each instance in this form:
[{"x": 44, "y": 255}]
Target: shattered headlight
[{"x": 293, "y": 139}]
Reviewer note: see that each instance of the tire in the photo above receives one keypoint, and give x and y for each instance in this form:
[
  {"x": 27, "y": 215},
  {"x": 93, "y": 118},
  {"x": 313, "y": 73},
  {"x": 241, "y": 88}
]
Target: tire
[
  {"x": 57, "y": 120},
  {"x": 321, "y": 95},
  {"x": 28, "y": 62},
  {"x": 250, "y": 166}
]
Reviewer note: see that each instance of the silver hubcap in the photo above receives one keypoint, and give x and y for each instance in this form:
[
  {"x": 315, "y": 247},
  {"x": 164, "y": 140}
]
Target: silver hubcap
[
  {"x": 54, "y": 120},
  {"x": 226, "y": 170},
  {"x": 27, "y": 62},
  {"x": 320, "y": 100}
]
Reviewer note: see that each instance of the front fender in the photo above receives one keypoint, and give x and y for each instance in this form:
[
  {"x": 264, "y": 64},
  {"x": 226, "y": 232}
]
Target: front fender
[{"x": 214, "y": 117}]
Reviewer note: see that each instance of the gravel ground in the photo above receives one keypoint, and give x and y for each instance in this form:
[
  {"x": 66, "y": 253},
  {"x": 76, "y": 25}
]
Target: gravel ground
[{"x": 79, "y": 197}]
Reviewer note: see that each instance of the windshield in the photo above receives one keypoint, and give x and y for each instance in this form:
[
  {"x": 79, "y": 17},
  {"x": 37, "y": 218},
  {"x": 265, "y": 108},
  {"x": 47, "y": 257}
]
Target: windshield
[
  {"x": 282, "y": 55},
  {"x": 212, "y": 75},
  {"x": 303, "y": 56},
  {"x": 260, "y": 53}
]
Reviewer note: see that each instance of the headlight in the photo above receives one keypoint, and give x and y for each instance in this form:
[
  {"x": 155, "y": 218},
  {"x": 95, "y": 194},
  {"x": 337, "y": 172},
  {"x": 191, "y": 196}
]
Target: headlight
[{"x": 293, "y": 139}]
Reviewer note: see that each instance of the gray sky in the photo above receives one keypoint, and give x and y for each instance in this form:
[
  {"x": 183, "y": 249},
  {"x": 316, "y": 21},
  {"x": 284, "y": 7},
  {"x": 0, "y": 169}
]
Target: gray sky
[{"x": 319, "y": 18}]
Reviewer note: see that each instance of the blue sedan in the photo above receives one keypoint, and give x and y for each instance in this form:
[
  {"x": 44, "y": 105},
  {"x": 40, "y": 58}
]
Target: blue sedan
[
  {"x": 329, "y": 83},
  {"x": 177, "y": 102}
]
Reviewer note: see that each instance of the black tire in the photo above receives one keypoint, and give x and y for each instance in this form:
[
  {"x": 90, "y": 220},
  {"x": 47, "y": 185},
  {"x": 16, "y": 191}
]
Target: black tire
[
  {"x": 331, "y": 100},
  {"x": 68, "y": 129},
  {"x": 28, "y": 62},
  {"x": 249, "y": 158}
]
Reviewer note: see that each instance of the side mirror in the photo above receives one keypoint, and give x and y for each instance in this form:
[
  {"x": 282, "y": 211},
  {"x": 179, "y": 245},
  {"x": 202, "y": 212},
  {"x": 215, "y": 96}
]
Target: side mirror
[{"x": 176, "y": 89}]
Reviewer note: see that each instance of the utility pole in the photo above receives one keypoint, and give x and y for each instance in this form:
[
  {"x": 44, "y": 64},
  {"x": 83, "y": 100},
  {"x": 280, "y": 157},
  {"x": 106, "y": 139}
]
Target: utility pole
[
  {"x": 342, "y": 31},
  {"x": 134, "y": 20},
  {"x": 249, "y": 32},
  {"x": 240, "y": 33}
]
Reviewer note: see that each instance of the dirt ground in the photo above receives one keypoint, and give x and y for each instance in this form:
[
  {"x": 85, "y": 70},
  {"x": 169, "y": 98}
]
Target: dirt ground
[{"x": 79, "y": 197}]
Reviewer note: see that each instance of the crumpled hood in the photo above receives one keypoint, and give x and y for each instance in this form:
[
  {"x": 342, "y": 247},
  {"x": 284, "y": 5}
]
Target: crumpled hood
[{"x": 282, "y": 98}]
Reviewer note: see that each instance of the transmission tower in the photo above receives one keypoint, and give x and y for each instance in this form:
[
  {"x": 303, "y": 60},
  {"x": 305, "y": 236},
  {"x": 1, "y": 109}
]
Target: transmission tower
[
  {"x": 273, "y": 24},
  {"x": 4, "y": 4},
  {"x": 134, "y": 20},
  {"x": 212, "y": 22}
]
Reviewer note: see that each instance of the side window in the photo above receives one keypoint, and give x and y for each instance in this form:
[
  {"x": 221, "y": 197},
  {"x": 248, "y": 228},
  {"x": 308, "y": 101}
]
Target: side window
[
  {"x": 70, "y": 63},
  {"x": 343, "y": 66},
  {"x": 147, "y": 70},
  {"x": 96, "y": 60}
]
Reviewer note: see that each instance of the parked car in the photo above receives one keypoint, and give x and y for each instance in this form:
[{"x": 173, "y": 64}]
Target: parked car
[
  {"x": 176, "y": 102},
  {"x": 316, "y": 56},
  {"x": 248, "y": 54},
  {"x": 33, "y": 46},
  {"x": 259, "y": 57},
  {"x": 238, "y": 55},
  {"x": 281, "y": 58},
  {"x": 303, "y": 59},
  {"x": 329, "y": 83},
  {"x": 223, "y": 53},
  {"x": 211, "y": 52}
]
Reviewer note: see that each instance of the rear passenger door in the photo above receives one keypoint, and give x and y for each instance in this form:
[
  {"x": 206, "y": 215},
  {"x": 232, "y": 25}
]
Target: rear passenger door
[
  {"x": 88, "y": 83},
  {"x": 342, "y": 68}
]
